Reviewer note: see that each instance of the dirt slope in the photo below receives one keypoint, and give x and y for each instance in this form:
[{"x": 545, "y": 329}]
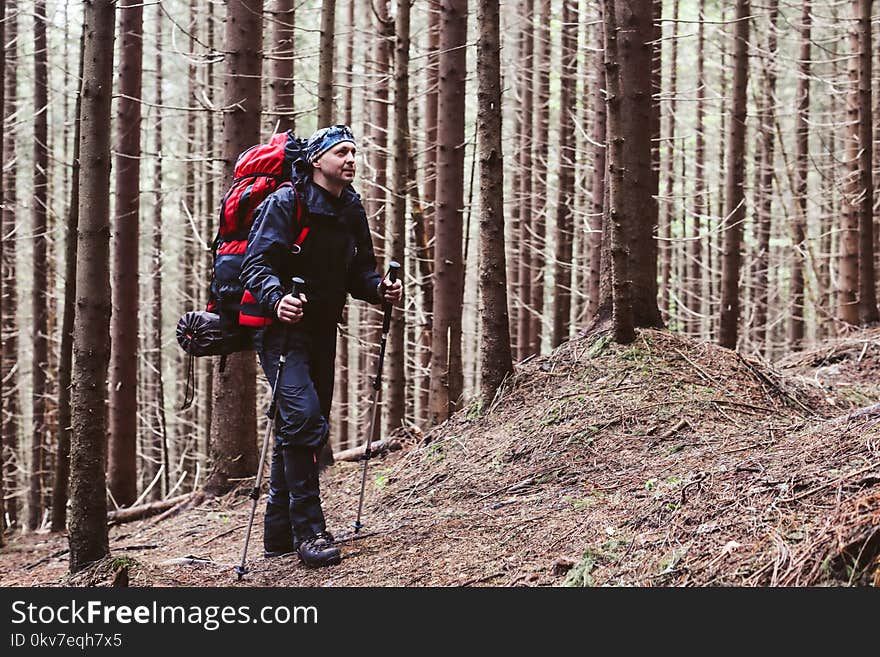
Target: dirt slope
[{"x": 665, "y": 462}]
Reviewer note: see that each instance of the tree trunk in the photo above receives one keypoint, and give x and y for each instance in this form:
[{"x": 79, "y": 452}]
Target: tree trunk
[
  {"x": 41, "y": 266},
  {"x": 348, "y": 100},
  {"x": 281, "y": 99},
  {"x": 396, "y": 408},
  {"x": 867, "y": 285},
  {"x": 10, "y": 374},
  {"x": 641, "y": 123},
  {"x": 88, "y": 489},
  {"x": 715, "y": 234},
  {"x": 158, "y": 425},
  {"x": 526, "y": 218},
  {"x": 210, "y": 210},
  {"x": 233, "y": 421},
  {"x": 121, "y": 466},
  {"x": 62, "y": 460},
  {"x": 619, "y": 223},
  {"x": 669, "y": 204},
  {"x": 695, "y": 294},
  {"x": 2, "y": 278},
  {"x": 325, "y": 63},
  {"x": 425, "y": 262},
  {"x": 848, "y": 266},
  {"x": 426, "y": 225},
  {"x": 345, "y": 367},
  {"x": 376, "y": 205},
  {"x": 446, "y": 366},
  {"x": 432, "y": 87},
  {"x": 496, "y": 362},
  {"x": 635, "y": 52},
  {"x": 538, "y": 172},
  {"x": 567, "y": 158},
  {"x": 599, "y": 155},
  {"x": 190, "y": 263},
  {"x": 802, "y": 161},
  {"x": 766, "y": 171},
  {"x": 876, "y": 93},
  {"x": 734, "y": 209},
  {"x": 828, "y": 236}
]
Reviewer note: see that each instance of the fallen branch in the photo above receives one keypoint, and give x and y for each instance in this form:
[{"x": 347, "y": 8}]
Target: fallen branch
[
  {"x": 144, "y": 510},
  {"x": 674, "y": 430},
  {"x": 194, "y": 561},
  {"x": 355, "y": 453},
  {"x": 188, "y": 501},
  {"x": 774, "y": 386},
  {"x": 699, "y": 370}
]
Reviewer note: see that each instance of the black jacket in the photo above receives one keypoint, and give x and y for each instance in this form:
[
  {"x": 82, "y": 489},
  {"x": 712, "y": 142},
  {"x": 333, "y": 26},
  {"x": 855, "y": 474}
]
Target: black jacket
[{"x": 337, "y": 255}]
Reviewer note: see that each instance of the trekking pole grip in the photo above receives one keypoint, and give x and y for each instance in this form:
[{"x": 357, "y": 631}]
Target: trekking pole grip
[
  {"x": 296, "y": 285},
  {"x": 393, "y": 269}
]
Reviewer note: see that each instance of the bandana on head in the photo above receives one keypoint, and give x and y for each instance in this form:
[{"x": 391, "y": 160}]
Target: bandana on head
[{"x": 326, "y": 138}]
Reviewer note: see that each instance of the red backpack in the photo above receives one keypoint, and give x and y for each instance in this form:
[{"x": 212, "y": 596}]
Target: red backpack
[
  {"x": 259, "y": 171},
  {"x": 227, "y": 323}
]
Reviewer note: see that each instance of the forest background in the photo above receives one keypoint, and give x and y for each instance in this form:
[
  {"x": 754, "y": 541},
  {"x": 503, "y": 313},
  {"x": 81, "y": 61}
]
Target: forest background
[{"x": 759, "y": 122}]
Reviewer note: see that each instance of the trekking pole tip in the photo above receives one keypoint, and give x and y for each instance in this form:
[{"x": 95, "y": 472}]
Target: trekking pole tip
[{"x": 241, "y": 572}]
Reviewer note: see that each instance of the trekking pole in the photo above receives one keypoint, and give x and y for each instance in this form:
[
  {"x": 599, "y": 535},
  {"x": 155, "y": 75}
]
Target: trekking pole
[
  {"x": 242, "y": 570},
  {"x": 393, "y": 268}
]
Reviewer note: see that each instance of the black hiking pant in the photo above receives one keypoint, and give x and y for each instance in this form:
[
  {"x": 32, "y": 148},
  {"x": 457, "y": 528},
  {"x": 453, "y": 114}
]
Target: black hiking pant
[{"x": 305, "y": 393}]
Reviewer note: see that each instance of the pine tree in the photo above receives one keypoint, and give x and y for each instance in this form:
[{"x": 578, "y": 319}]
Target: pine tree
[
  {"x": 233, "y": 421},
  {"x": 325, "y": 62},
  {"x": 158, "y": 437},
  {"x": 396, "y": 408},
  {"x": 618, "y": 222},
  {"x": 764, "y": 186},
  {"x": 88, "y": 512},
  {"x": 10, "y": 371},
  {"x": 734, "y": 208},
  {"x": 494, "y": 328},
  {"x": 2, "y": 280},
  {"x": 868, "y": 313},
  {"x": 40, "y": 432},
  {"x": 446, "y": 365},
  {"x": 62, "y": 461},
  {"x": 121, "y": 466},
  {"x": 538, "y": 173},
  {"x": 281, "y": 79},
  {"x": 633, "y": 45},
  {"x": 802, "y": 156},
  {"x": 524, "y": 198},
  {"x": 565, "y": 196},
  {"x": 599, "y": 152}
]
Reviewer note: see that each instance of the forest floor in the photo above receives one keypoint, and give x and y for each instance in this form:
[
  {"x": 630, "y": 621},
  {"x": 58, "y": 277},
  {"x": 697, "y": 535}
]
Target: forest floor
[{"x": 664, "y": 462}]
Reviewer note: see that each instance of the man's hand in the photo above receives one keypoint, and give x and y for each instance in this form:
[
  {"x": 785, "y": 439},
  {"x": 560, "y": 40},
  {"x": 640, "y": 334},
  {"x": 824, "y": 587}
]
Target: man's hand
[
  {"x": 290, "y": 309},
  {"x": 391, "y": 292}
]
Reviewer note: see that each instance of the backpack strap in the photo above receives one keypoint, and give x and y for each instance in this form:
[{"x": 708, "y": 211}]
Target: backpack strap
[
  {"x": 298, "y": 219},
  {"x": 250, "y": 314}
]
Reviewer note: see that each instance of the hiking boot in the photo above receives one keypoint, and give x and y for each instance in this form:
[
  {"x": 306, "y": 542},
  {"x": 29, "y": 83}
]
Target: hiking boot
[{"x": 319, "y": 551}]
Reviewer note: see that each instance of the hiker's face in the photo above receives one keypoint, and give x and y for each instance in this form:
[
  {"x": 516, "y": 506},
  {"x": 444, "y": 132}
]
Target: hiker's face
[{"x": 338, "y": 163}]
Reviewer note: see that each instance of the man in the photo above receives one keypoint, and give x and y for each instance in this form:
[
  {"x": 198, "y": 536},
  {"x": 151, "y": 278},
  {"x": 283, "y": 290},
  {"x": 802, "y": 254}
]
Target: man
[{"x": 335, "y": 258}]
